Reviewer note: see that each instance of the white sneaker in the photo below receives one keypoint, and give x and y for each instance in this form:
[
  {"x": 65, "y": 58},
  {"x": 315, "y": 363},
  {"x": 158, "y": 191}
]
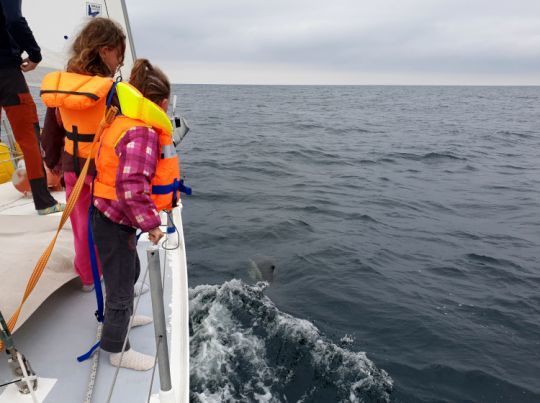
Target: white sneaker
[
  {"x": 90, "y": 287},
  {"x": 87, "y": 288},
  {"x": 132, "y": 360},
  {"x": 141, "y": 320}
]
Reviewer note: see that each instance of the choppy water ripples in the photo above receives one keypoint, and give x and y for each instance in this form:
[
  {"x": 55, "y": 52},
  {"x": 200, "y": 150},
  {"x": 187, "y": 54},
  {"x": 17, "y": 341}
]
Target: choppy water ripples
[{"x": 402, "y": 219}]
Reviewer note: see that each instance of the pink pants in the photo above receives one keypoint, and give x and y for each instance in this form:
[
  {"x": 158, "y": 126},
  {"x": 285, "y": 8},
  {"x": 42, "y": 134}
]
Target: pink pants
[{"x": 79, "y": 224}]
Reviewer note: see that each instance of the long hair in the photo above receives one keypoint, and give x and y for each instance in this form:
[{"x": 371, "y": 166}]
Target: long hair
[
  {"x": 98, "y": 33},
  {"x": 150, "y": 80}
]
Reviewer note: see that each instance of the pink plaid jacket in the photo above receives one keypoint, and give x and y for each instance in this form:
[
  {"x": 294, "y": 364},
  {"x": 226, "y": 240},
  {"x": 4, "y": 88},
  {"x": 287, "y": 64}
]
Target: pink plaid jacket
[{"x": 138, "y": 153}]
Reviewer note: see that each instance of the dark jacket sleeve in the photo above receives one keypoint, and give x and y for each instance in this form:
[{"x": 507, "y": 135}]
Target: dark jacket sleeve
[
  {"x": 52, "y": 139},
  {"x": 19, "y": 30}
]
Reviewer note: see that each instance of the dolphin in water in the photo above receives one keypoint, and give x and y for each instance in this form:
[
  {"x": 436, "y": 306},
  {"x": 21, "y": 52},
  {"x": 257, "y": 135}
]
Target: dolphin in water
[{"x": 262, "y": 268}]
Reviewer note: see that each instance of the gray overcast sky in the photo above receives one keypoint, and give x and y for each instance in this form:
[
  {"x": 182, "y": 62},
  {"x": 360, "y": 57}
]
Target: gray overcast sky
[
  {"x": 323, "y": 42},
  {"x": 341, "y": 41}
]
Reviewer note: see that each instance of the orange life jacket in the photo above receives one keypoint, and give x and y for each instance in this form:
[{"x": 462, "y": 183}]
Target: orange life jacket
[
  {"x": 81, "y": 101},
  {"x": 166, "y": 181}
]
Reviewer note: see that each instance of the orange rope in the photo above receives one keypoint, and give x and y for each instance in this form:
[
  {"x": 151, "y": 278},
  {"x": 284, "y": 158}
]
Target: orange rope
[{"x": 42, "y": 262}]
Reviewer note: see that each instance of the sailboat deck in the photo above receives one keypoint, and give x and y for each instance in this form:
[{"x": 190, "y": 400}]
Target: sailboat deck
[{"x": 64, "y": 327}]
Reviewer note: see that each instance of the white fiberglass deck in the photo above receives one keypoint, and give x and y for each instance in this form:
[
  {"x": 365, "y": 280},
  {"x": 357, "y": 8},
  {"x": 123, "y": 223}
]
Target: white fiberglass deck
[{"x": 64, "y": 327}]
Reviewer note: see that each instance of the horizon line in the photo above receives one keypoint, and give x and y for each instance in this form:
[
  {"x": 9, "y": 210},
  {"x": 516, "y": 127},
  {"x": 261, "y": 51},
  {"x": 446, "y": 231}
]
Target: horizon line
[{"x": 362, "y": 85}]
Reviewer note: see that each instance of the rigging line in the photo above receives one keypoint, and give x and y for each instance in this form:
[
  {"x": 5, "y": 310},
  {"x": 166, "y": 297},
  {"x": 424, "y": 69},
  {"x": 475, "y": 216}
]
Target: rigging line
[
  {"x": 106, "y": 8},
  {"x": 9, "y": 204},
  {"x": 164, "y": 270},
  {"x": 9, "y": 383},
  {"x": 166, "y": 241},
  {"x": 154, "y": 369},
  {"x": 128, "y": 30},
  {"x": 115, "y": 377}
]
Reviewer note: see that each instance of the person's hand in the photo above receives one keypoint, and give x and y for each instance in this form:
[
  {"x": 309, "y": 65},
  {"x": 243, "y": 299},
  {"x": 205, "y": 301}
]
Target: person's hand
[
  {"x": 155, "y": 235},
  {"x": 28, "y": 65}
]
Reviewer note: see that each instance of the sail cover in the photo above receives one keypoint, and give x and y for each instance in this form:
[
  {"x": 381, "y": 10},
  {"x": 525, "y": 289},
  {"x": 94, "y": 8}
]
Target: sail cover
[
  {"x": 23, "y": 237},
  {"x": 56, "y": 23}
]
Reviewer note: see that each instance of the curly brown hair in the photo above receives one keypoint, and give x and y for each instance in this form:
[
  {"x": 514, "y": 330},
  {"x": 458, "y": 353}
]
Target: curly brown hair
[
  {"x": 150, "y": 80},
  {"x": 97, "y": 34}
]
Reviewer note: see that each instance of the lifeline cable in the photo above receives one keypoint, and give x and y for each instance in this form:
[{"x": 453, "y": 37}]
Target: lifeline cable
[
  {"x": 154, "y": 370},
  {"x": 166, "y": 240},
  {"x": 10, "y": 382}
]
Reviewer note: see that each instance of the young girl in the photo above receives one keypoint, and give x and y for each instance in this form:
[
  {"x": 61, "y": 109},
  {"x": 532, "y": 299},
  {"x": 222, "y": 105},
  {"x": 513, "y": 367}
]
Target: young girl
[
  {"x": 76, "y": 101},
  {"x": 135, "y": 158}
]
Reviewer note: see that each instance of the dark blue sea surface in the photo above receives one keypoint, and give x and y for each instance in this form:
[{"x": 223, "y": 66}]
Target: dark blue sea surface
[{"x": 404, "y": 223}]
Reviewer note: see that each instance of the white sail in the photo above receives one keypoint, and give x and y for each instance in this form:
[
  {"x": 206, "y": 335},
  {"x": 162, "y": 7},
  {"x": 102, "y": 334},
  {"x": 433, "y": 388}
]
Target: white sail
[{"x": 56, "y": 23}]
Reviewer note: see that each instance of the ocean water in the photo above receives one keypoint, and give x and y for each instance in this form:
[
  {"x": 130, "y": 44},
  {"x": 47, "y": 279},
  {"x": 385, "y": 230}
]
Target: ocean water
[{"x": 404, "y": 224}]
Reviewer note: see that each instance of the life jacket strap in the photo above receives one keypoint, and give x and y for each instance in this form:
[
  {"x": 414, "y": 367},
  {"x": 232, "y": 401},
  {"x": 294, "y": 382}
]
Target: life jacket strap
[
  {"x": 83, "y": 138},
  {"x": 165, "y": 189},
  {"x": 177, "y": 185},
  {"x": 183, "y": 188},
  {"x": 84, "y": 94},
  {"x": 75, "y": 132}
]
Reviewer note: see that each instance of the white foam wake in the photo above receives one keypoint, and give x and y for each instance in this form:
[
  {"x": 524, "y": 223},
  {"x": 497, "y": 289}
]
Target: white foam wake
[{"x": 244, "y": 349}]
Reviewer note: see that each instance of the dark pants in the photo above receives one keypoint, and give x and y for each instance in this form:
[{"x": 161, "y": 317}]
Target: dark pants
[
  {"x": 117, "y": 251},
  {"x": 21, "y": 112}
]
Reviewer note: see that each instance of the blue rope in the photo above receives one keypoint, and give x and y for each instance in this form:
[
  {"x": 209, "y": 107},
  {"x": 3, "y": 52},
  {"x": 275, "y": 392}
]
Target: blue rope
[
  {"x": 112, "y": 92},
  {"x": 97, "y": 281},
  {"x": 87, "y": 355},
  {"x": 95, "y": 270}
]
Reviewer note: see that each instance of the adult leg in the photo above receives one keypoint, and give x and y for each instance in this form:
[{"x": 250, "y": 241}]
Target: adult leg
[{"x": 21, "y": 112}]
